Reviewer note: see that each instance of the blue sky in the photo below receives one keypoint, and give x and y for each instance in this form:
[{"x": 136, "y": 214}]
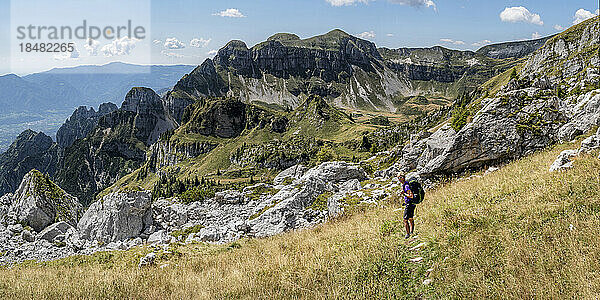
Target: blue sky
[{"x": 189, "y": 31}]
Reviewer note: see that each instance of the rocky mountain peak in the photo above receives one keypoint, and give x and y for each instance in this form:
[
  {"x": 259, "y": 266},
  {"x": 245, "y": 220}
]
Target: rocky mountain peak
[
  {"x": 141, "y": 99},
  {"x": 283, "y": 37},
  {"x": 38, "y": 202},
  {"x": 33, "y": 142},
  {"x": 81, "y": 123},
  {"x": 30, "y": 150}
]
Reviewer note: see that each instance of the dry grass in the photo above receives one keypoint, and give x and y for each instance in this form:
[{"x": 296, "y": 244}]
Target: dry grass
[{"x": 505, "y": 235}]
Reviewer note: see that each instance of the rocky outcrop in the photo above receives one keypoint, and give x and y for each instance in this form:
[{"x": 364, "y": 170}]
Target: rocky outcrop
[
  {"x": 117, "y": 217},
  {"x": 165, "y": 153},
  {"x": 504, "y": 129},
  {"x": 30, "y": 150},
  {"x": 290, "y": 174},
  {"x": 152, "y": 117},
  {"x": 38, "y": 202},
  {"x": 81, "y": 123},
  {"x": 583, "y": 115},
  {"x": 228, "y": 118},
  {"x": 260, "y": 210},
  {"x": 563, "y": 161}
]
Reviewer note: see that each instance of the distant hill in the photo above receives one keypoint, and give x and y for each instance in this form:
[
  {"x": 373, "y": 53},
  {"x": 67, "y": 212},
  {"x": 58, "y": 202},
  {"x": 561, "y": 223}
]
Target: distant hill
[
  {"x": 512, "y": 49},
  {"x": 42, "y": 101},
  {"x": 110, "y": 82}
]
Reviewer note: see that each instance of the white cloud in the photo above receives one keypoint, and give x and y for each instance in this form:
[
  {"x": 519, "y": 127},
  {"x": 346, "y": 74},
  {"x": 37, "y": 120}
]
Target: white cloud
[
  {"x": 536, "y": 35},
  {"x": 582, "y": 15},
  {"x": 212, "y": 52},
  {"x": 230, "y": 13},
  {"x": 122, "y": 46},
  {"x": 558, "y": 27},
  {"x": 171, "y": 54},
  {"x": 481, "y": 43},
  {"x": 520, "y": 14},
  {"x": 173, "y": 43},
  {"x": 415, "y": 3},
  {"x": 367, "y": 35},
  {"x": 199, "y": 42},
  {"x": 451, "y": 41},
  {"x": 67, "y": 55},
  {"x": 92, "y": 47},
  {"x": 390, "y": 34}
]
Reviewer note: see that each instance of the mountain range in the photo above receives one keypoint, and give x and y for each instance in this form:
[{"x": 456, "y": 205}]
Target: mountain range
[
  {"x": 249, "y": 111},
  {"x": 42, "y": 101}
]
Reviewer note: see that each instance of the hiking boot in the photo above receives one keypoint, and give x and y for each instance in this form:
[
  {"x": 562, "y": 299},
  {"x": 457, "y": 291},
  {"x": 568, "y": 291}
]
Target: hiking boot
[{"x": 407, "y": 236}]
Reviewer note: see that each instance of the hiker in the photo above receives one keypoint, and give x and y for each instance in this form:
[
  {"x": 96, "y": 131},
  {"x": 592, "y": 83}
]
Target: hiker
[{"x": 410, "y": 203}]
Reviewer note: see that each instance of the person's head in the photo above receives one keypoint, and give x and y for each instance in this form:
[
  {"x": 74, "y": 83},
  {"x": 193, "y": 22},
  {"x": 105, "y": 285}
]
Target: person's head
[{"x": 401, "y": 178}]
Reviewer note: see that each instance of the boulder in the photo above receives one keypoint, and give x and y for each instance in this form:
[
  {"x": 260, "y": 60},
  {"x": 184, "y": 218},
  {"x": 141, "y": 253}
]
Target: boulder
[
  {"x": 334, "y": 172},
  {"x": 350, "y": 186},
  {"x": 563, "y": 161},
  {"x": 39, "y": 202},
  {"x": 5, "y": 202},
  {"x": 229, "y": 197},
  {"x": 27, "y": 236},
  {"x": 169, "y": 214},
  {"x": 147, "y": 260},
  {"x": 591, "y": 143},
  {"x": 51, "y": 232},
  {"x": 117, "y": 217},
  {"x": 292, "y": 173},
  {"x": 15, "y": 228},
  {"x": 159, "y": 237}
]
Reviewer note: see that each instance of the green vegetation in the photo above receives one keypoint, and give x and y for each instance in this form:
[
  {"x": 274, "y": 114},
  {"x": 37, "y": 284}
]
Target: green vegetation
[
  {"x": 320, "y": 203},
  {"x": 184, "y": 233},
  {"x": 45, "y": 186},
  {"x": 260, "y": 191}
]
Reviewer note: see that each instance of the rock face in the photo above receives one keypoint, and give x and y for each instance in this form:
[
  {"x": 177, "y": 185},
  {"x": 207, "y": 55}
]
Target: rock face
[
  {"x": 291, "y": 174},
  {"x": 583, "y": 116},
  {"x": 512, "y": 49},
  {"x": 344, "y": 69},
  {"x": 152, "y": 117},
  {"x": 81, "y": 123},
  {"x": 31, "y": 150},
  {"x": 228, "y": 118},
  {"x": 38, "y": 202},
  {"x": 117, "y": 217},
  {"x": 165, "y": 153}
]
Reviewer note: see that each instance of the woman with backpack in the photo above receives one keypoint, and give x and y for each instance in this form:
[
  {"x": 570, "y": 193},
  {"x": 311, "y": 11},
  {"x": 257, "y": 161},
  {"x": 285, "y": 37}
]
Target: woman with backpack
[{"x": 413, "y": 194}]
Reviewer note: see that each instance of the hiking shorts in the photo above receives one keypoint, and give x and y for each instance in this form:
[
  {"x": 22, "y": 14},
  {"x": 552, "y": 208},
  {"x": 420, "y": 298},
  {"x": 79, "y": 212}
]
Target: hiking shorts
[{"x": 409, "y": 211}]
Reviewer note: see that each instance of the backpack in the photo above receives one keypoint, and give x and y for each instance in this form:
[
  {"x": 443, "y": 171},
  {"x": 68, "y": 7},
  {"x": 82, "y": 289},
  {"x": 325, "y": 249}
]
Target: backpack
[{"x": 418, "y": 191}]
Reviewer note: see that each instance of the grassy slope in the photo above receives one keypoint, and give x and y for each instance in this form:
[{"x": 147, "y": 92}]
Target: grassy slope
[{"x": 505, "y": 235}]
